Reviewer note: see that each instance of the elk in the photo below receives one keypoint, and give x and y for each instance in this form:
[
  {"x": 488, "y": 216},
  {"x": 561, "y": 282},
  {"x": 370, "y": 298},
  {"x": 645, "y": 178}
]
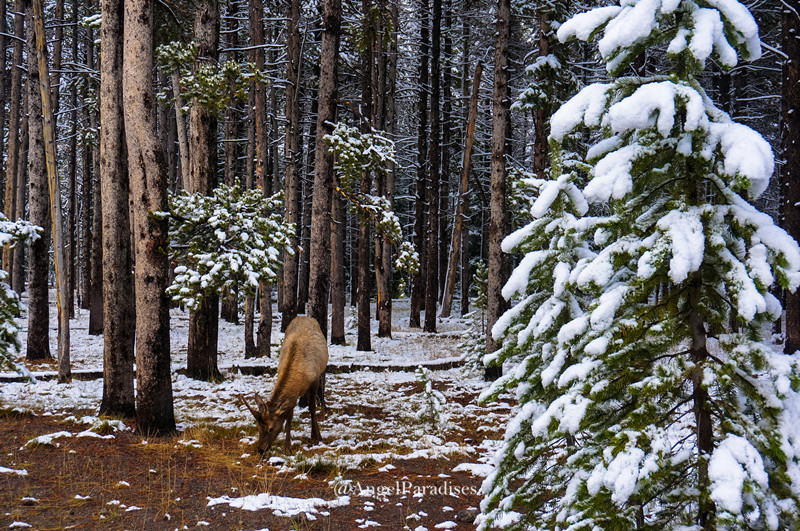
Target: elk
[{"x": 303, "y": 358}]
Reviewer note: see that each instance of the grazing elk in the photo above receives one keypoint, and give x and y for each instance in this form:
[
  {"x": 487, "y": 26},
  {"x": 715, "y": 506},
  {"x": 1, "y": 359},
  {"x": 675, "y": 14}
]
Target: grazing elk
[{"x": 303, "y": 358}]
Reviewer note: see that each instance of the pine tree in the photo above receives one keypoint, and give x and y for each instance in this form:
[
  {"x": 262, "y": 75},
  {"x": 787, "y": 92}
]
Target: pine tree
[{"x": 648, "y": 396}]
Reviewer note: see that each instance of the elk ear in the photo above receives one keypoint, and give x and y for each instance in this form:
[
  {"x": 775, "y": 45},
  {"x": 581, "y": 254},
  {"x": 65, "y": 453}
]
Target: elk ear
[{"x": 262, "y": 407}]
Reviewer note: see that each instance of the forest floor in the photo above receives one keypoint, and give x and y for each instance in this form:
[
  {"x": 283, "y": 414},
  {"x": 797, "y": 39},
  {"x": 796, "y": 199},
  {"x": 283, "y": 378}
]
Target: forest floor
[{"x": 393, "y": 455}]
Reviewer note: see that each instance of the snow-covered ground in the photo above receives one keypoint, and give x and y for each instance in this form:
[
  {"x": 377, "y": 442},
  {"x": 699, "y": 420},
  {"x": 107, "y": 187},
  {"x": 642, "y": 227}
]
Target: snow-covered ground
[{"x": 380, "y": 415}]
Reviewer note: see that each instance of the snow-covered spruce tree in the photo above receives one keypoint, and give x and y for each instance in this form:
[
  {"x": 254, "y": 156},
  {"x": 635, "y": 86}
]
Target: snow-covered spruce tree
[
  {"x": 12, "y": 233},
  {"x": 648, "y": 397},
  {"x": 232, "y": 237}
]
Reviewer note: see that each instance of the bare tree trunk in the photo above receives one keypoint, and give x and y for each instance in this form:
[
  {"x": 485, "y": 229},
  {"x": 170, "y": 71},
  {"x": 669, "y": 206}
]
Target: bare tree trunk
[
  {"x": 320, "y": 259},
  {"x": 791, "y": 153},
  {"x": 292, "y": 155},
  {"x": 418, "y": 280},
  {"x": 154, "y": 408},
  {"x": 96, "y": 294},
  {"x": 264, "y": 332},
  {"x": 338, "y": 224},
  {"x": 119, "y": 318},
  {"x": 86, "y": 195},
  {"x": 201, "y": 356},
  {"x": 180, "y": 123},
  {"x": 498, "y": 268},
  {"x": 541, "y": 148},
  {"x": 463, "y": 198},
  {"x": 72, "y": 171},
  {"x": 3, "y": 82},
  {"x": 308, "y": 193},
  {"x": 13, "y": 209},
  {"x": 18, "y": 276},
  {"x": 446, "y": 127},
  {"x": 363, "y": 342},
  {"x": 435, "y": 158},
  {"x": 383, "y": 247},
  {"x": 38, "y": 309}
]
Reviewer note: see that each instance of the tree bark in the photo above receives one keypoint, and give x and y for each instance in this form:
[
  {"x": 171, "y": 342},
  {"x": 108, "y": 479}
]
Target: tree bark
[
  {"x": 308, "y": 193},
  {"x": 201, "y": 356},
  {"x": 435, "y": 158},
  {"x": 154, "y": 408},
  {"x": 384, "y": 247},
  {"x": 292, "y": 155},
  {"x": 13, "y": 209},
  {"x": 180, "y": 124},
  {"x": 264, "y": 332},
  {"x": 791, "y": 154},
  {"x": 38, "y": 308},
  {"x": 96, "y": 294},
  {"x": 497, "y": 264},
  {"x": 18, "y": 276},
  {"x": 49, "y": 131},
  {"x": 338, "y": 224},
  {"x": 363, "y": 341},
  {"x": 418, "y": 280},
  {"x": 463, "y": 198},
  {"x": 119, "y": 318},
  {"x": 320, "y": 259}
]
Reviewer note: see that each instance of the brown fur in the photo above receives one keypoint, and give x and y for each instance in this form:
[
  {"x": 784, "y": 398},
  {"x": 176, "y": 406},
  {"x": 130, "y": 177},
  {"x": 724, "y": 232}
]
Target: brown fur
[{"x": 303, "y": 358}]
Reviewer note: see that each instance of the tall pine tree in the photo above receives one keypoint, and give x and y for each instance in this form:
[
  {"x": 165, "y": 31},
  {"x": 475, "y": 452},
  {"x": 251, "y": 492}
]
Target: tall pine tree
[{"x": 648, "y": 396}]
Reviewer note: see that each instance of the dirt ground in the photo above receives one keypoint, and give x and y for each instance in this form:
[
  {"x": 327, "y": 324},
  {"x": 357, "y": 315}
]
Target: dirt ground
[{"x": 166, "y": 484}]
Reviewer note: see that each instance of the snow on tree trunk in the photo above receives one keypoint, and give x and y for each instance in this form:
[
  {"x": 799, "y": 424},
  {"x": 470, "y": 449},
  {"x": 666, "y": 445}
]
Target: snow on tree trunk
[{"x": 631, "y": 414}]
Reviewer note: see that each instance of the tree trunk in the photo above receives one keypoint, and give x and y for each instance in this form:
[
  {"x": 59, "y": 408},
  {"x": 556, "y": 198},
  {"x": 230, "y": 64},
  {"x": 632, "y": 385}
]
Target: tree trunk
[
  {"x": 791, "y": 154},
  {"x": 180, "y": 124},
  {"x": 86, "y": 195},
  {"x": 13, "y": 209},
  {"x": 308, "y": 193},
  {"x": 292, "y": 155},
  {"x": 435, "y": 159},
  {"x": 72, "y": 170},
  {"x": 363, "y": 342},
  {"x": 497, "y": 265},
  {"x": 201, "y": 356},
  {"x": 148, "y": 175},
  {"x": 18, "y": 276},
  {"x": 463, "y": 198},
  {"x": 541, "y": 148},
  {"x": 38, "y": 308},
  {"x": 418, "y": 280},
  {"x": 338, "y": 224},
  {"x": 383, "y": 247},
  {"x": 264, "y": 332},
  {"x": 320, "y": 257},
  {"x": 119, "y": 318},
  {"x": 446, "y": 128},
  {"x": 249, "y": 318},
  {"x": 96, "y": 294},
  {"x": 3, "y": 83}
]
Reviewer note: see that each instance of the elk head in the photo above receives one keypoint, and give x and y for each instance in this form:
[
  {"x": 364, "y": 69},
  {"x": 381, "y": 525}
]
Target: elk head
[{"x": 268, "y": 420}]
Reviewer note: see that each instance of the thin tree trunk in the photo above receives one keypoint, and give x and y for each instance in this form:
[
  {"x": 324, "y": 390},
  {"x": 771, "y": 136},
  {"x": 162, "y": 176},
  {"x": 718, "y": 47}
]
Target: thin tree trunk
[
  {"x": 292, "y": 155},
  {"x": 201, "y": 356},
  {"x": 363, "y": 342},
  {"x": 96, "y": 294},
  {"x": 497, "y": 265},
  {"x": 72, "y": 171},
  {"x": 264, "y": 332},
  {"x": 86, "y": 196},
  {"x": 418, "y": 280},
  {"x": 383, "y": 247},
  {"x": 18, "y": 275},
  {"x": 435, "y": 158},
  {"x": 447, "y": 111},
  {"x": 249, "y": 318},
  {"x": 791, "y": 154},
  {"x": 338, "y": 224},
  {"x": 320, "y": 259},
  {"x": 541, "y": 148},
  {"x": 14, "y": 209},
  {"x": 38, "y": 308},
  {"x": 3, "y": 82},
  {"x": 154, "y": 408},
  {"x": 463, "y": 198},
  {"x": 119, "y": 318},
  {"x": 308, "y": 193},
  {"x": 180, "y": 123}
]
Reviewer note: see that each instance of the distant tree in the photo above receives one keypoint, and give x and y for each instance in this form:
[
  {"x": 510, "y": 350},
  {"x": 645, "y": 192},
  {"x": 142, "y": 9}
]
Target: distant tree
[{"x": 632, "y": 414}]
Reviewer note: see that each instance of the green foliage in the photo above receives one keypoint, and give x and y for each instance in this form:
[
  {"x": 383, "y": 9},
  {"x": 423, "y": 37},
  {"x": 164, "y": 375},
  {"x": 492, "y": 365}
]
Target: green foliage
[
  {"x": 406, "y": 264},
  {"x": 473, "y": 348},
  {"x": 12, "y": 233},
  {"x": 212, "y": 86},
  {"x": 232, "y": 237},
  {"x": 433, "y": 401}
]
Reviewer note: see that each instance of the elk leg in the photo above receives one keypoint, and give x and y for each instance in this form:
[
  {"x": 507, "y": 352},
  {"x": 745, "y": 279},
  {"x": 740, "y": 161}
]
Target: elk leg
[
  {"x": 312, "y": 408},
  {"x": 288, "y": 444}
]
